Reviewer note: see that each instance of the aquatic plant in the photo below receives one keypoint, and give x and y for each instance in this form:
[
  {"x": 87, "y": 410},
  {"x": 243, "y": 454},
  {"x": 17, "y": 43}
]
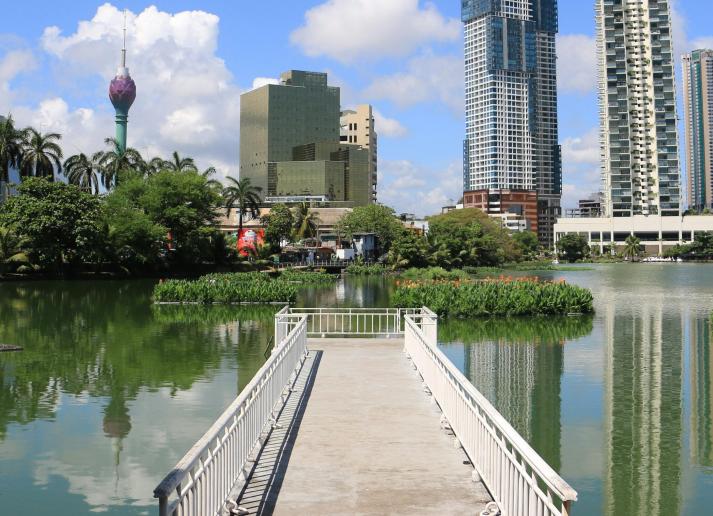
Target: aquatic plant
[
  {"x": 225, "y": 289},
  {"x": 435, "y": 273},
  {"x": 308, "y": 277},
  {"x": 495, "y": 297}
]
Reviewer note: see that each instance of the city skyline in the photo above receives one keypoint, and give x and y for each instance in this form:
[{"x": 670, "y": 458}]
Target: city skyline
[{"x": 54, "y": 79}]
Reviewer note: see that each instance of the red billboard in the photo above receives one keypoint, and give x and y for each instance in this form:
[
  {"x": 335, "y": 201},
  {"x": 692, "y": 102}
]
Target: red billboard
[{"x": 249, "y": 240}]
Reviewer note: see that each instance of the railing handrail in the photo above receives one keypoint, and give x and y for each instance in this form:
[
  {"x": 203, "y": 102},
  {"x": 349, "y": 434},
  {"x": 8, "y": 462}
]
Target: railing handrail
[
  {"x": 543, "y": 470},
  {"x": 347, "y": 321},
  {"x": 191, "y": 458}
]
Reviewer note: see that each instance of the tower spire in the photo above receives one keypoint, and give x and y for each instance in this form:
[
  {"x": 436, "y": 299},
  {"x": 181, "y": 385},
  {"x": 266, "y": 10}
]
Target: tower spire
[{"x": 122, "y": 93}]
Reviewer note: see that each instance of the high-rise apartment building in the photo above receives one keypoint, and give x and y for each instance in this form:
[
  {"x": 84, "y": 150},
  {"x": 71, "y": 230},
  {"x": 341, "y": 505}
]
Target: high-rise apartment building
[
  {"x": 511, "y": 102},
  {"x": 358, "y": 127},
  {"x": 276, "y": 118},
  {"x": 698, "y": 108},
  {"x": 637, "y": 95}
]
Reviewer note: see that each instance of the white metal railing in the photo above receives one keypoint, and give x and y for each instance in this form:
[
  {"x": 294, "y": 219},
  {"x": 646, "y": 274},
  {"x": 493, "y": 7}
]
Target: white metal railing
[
  {"x": 519, "y": 480},
  {"x": 345, "y": 322},
  {"x": 201, "y": 482}
]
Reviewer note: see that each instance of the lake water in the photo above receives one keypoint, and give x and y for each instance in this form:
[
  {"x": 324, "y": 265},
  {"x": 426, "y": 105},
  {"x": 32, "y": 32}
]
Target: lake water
[{"x": 110, "y": 391}]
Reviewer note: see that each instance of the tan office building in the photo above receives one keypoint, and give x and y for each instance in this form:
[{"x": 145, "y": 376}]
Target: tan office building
[{"x": 358, "y": 127}]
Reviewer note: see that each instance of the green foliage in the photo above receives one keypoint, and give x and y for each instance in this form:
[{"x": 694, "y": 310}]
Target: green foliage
[
  {"x": 181, "y": 203},
  {"x": 41, "y": 154},
  {"x": 409, "y": 250},
  {"x": 495, "y": 298},
  {"x": 573, "y": 247},
  {"x": 527, "y": 243},
  {"x": 225, "y": 289},
  {"x": 362, "y": 269},
  {"x": 116, "y": 163},
  {"x": 11, "y": 145},
  {"x": 59, "y": 223},
  {"x": 632, "y": 249},
  {"x": 81, "y": 171},
  {"x": 434, "y": 274},
  {"x": 373, "y": 218},
  {"x": 279, "y": 224},
  {"x": 12, "y": 254},
  {"x": 700, "y": 249},
  {"x": 469, "y": 237}
]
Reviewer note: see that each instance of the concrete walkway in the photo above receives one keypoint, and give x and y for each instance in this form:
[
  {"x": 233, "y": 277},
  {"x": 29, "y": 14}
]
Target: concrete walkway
[{"x": 360, "y": 436}]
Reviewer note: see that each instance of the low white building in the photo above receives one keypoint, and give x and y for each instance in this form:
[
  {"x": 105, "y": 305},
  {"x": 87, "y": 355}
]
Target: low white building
[{"x": 656, "y": 233}]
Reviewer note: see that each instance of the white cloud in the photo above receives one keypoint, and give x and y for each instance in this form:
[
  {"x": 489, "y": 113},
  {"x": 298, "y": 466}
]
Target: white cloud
[
  {"x": 409, "y": 188},
  {"x": 582, "y": 149},
  {"x": 351, "y": 30},
  {"x": 259, "y": 82},
  {"x": 187, "y": 98},
  {"x": 576, "y": 63},
  {"x": 13, "y": 64},
  {"x": 388, "y": 127},
  {"x": 428, "y": 78}
]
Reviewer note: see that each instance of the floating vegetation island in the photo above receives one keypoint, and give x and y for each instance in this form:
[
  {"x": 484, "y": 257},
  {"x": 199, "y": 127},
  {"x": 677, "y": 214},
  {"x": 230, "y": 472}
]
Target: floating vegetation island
[
  {"x": 495, "y": 297},
  {"x": 239, "y": 288}
]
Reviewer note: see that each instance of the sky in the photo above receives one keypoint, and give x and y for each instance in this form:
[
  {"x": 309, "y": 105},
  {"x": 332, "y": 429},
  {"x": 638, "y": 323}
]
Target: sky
[{"x": 191, "y": 60}]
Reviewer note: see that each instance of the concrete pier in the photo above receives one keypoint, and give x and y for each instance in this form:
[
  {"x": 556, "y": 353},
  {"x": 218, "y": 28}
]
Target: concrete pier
[{"x": 359, "y": 435}]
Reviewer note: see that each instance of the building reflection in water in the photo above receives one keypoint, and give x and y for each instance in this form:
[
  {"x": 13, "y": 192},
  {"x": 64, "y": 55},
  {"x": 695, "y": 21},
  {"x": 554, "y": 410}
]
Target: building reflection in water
[
  {"x": 643, "y": 410},
  {"x": 701, "y": 394},
  {"x": 520, "y": 373}
]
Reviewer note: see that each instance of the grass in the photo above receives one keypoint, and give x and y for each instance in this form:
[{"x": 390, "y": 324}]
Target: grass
[{"x": 495, "y": 297}]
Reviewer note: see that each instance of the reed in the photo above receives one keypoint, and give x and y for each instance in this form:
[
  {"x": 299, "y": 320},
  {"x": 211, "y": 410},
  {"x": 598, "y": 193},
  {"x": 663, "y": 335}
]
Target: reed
[{"x": 225, "y": 289}]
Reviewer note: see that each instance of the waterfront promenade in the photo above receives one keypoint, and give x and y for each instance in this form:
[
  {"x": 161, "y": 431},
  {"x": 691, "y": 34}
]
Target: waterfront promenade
[{"x": 377, "y": 421}]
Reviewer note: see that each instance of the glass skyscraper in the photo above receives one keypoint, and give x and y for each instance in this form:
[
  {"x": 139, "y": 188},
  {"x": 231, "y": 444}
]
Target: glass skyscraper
[
  {"x": 637, "y": 96},
  {"x": 511, "y": 102}
]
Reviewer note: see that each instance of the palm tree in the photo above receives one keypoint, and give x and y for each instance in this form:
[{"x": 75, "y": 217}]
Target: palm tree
[
  {"x": 41, "y": 154},
  {"x": 633, "y": 247},
  {"x": 306, "y": 222},
  {"x": 11, "y": 252},
  {"x": 116, "y": 160},
  {"x": 81, "y": 171},
  {"x": 213, "y": 184},
  {"x": 179, "y": 164},
  {"x": 244, "y": 197},
  {"x": 154, "y": 166},
  {"x": 10, "y": 149}
]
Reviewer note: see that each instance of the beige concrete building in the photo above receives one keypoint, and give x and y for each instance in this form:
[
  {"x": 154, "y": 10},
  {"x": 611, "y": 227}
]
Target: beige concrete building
[
  {"x": 276, "y": 118},
  {"x": 656, "y": 233},
  {"x": 358, "y": 127}
]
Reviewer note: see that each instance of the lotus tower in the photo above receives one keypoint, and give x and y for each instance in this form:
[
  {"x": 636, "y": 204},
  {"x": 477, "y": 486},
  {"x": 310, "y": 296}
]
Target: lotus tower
[{"x": 122, "y": 93}]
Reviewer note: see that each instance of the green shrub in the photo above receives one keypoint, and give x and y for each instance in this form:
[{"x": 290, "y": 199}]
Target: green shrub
[{"x": 495, "y": 298}]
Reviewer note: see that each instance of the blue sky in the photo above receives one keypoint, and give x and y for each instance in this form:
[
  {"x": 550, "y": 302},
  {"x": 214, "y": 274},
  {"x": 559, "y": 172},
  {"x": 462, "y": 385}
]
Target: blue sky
[{"x": 192, "y": 59}]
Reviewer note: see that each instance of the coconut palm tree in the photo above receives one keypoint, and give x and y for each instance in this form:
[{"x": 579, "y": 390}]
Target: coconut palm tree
[
  {"x": 306, "y": 222},
  {"x": 10, "y": 148},
  {"x": 11, "y": 253},
  {"x": 41, "y": 154},
  {"x": 179, "y": 164},
  {"x": 117, "y": 160},
  {"x": 154, "y": 166},
  {"x": 213, "y": 184},
  {"x": 241, "y": 195},
  {"x": 632, "y": 249},
  {"x": 80, "y": 170}
]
